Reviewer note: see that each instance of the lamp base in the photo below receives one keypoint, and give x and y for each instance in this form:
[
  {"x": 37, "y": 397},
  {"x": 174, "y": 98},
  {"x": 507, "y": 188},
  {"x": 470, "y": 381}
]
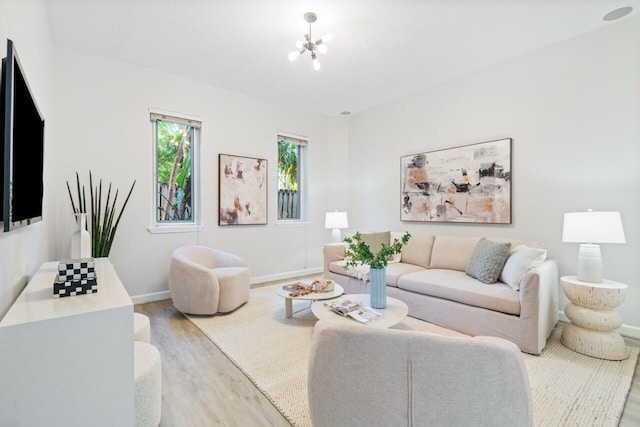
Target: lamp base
[
  {"x": 335, "y": 235},
  {"x": 589, "y": 263}
]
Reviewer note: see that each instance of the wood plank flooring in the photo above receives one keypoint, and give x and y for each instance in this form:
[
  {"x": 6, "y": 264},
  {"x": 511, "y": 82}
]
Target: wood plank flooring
[{"x": 201, "y": 387}]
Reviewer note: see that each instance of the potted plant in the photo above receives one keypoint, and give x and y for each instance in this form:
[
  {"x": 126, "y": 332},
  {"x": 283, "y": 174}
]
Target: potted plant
[
  {"x": 358, "y": 252},
  {"x": 104, "y": 216}
]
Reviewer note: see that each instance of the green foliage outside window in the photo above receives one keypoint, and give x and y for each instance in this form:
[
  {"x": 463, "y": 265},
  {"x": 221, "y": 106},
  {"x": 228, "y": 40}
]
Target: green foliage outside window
[
  {"x": 174, "y": 141},
  {"x": 288, "y": 155}
]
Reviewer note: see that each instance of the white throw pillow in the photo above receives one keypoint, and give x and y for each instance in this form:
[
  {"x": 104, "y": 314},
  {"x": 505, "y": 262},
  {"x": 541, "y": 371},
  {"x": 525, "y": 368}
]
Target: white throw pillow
[
  {"x": 360, "y": 271},
  {"x": 521, "y": 260}
]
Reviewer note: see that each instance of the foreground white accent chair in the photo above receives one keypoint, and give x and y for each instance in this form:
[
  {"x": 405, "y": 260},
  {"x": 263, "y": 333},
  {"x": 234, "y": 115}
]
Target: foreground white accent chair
[
  {"x": 148, "y": 378},
  {"x": 361, "y": 376},
  {"x": 141, "y": 328},
  {"x": 207, "y": 281}
]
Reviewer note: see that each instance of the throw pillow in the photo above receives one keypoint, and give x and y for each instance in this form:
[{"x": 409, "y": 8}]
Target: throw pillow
[
  {"x": 520, "y": 261},
  {"x": 487, "y": 260},
  {"x": 375, "y": 240}
]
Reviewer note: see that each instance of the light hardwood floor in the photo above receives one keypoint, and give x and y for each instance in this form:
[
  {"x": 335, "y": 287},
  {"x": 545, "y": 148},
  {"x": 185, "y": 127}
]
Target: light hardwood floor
[{"x": 201, "y": 387}]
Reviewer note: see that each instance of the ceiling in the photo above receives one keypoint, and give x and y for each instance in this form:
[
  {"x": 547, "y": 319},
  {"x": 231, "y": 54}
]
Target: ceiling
[{"x": 381, "y": 49}]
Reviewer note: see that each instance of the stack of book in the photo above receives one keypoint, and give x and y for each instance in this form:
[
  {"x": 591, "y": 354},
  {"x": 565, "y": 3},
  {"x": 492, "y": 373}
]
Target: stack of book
[{"x": 75, "y": 277}]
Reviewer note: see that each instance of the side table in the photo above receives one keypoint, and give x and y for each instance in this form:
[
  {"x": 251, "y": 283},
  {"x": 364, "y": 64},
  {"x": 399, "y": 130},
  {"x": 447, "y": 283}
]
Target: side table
[
  {"x": 594, "y": 319},
  {"x": 316, "y": 296}
]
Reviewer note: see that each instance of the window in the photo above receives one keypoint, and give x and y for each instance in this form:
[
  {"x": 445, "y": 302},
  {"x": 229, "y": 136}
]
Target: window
[
  {"x": 176, "y": 196},
  {"x": 291, "y": 188}
]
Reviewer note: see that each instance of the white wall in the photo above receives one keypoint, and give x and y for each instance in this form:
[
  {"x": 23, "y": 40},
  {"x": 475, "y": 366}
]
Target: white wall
[
  {"x": 102, "y": 118},
  {"x": 25, "y": 22},
  {"x": 339, "y": 164},
  {"x": 573, "y": 111}
]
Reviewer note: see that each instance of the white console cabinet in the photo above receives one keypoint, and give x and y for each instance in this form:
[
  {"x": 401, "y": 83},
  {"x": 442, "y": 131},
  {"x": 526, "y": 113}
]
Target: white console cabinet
[{"x": 68, "y": 361}]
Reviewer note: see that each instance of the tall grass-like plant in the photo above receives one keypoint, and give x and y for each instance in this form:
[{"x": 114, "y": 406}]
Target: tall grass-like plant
[{"x": 104, "y": 216}]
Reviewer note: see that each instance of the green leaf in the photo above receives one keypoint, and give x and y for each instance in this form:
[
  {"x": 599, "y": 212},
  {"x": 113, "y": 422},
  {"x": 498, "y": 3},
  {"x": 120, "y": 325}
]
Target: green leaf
[
  {"x": 358, "y": 252},
  {"x": 103, "y": 227}
]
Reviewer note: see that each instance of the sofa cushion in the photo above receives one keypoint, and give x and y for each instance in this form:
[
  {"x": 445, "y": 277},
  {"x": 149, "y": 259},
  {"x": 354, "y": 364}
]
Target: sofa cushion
[
  {"x": 487, "y": 260},
  {"x": 452, "y": 252},
  {"x": 418, "y": 249},
  {"x": 338, "y": 267},
  {"x": 521, "y": 259},
  {"x": 394, "y": 271},
  {"x": 362, "y": 271},
  {"x": 457, "y": 286}
]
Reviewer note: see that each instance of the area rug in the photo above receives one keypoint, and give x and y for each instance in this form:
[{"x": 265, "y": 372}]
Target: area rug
[{"x": 272, "y": 351}]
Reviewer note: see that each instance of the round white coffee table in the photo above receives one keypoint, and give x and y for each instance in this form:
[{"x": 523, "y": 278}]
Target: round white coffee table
[
  {"x": 392, "y": 315},
  {"x": 314, "y": 296}
]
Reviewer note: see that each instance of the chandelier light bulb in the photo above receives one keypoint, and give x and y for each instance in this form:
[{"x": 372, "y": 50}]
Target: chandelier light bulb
[
  {"x": 294, "y": 55},
  {"x": 309, "y": 45}
]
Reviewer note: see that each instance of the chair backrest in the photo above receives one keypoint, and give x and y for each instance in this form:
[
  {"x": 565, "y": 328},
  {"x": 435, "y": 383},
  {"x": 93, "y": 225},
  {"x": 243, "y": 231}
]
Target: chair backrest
[
  {"x": 364, "y": 376},
  {"x": 207, "y": 257},
  {"x": 201, "y": 255}
]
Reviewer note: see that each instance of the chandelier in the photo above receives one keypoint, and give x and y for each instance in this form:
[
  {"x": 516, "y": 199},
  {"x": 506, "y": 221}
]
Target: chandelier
[{"x": 309, "y": 45}]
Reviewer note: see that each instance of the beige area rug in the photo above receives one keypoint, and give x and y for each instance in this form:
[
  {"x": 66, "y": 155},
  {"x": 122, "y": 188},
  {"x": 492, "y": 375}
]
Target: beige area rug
[{"x": 568, "y": 389}]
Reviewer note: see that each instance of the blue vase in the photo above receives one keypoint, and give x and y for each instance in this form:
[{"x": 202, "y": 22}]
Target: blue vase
[{"x": 378, "y": 283}]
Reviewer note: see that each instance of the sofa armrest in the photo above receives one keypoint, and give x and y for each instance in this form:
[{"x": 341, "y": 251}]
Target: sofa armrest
[
  {"x": 539, "y": 305},
  {"x": 332, "y": 252}
]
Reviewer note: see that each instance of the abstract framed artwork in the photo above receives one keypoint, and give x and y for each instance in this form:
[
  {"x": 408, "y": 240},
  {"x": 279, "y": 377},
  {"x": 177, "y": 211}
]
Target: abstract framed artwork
[
  {"x": 470, "y": 184},
  {"x": 242, "y": 190}
]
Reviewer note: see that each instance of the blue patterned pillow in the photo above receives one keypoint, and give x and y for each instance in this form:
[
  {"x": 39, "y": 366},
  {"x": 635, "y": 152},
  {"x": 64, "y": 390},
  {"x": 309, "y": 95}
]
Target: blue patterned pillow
[{"x": 487, "y": 260}]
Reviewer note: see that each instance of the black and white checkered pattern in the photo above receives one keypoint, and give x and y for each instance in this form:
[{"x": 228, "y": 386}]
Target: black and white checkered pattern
[
  {"x": 76, "y": 269},
  {"x": 63, "y": 288}
]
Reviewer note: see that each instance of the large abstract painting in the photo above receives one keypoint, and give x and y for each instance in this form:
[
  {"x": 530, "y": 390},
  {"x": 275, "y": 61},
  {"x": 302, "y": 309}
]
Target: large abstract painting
[
  {"x": 462, "y": 184},
  {"x": 242, "y": 190}
]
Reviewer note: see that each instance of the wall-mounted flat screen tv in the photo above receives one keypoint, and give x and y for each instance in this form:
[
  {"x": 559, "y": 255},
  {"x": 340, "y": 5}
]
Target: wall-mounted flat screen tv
[{"x": 23, "y": 147}]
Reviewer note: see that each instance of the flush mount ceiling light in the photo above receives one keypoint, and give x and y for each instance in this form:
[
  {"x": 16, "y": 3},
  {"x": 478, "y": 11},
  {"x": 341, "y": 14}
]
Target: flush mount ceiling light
[
  {"x": 617, "y": 13},
  {"x": 309, "y": 45}
]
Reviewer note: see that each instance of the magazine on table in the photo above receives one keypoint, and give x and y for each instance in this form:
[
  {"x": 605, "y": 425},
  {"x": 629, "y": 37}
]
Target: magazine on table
[{"x": 355, "y": 310}]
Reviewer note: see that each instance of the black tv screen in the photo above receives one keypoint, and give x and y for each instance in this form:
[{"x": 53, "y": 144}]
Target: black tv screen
[{"x": 23, "y": 150}]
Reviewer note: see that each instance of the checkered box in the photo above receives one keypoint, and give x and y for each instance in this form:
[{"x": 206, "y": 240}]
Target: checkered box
[
  {"x": 76, "y": 269},
  {"x": 68, "y": 288}
]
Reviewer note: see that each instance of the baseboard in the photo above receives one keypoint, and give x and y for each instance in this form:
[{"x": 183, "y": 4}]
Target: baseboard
[
  {"x": 162, "y": 295},
  {"x": 628, "y": 331},
  {"x": 155, "y": 296}
]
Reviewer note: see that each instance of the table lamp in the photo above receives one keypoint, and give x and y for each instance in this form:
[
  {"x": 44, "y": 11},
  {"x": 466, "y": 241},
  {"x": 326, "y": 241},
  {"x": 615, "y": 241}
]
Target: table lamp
[
  {"x": 590, "y": 228},
  {"x": 336, "y": 220}
]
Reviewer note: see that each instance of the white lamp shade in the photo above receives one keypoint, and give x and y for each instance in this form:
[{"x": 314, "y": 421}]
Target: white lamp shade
[
  {"x": 336, "y": 220},
  {"x": 592, "y": 227}
]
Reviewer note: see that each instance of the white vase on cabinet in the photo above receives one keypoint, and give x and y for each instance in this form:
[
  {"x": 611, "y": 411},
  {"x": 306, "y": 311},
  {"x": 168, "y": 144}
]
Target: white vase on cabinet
[{"x": 81, "y": 239}]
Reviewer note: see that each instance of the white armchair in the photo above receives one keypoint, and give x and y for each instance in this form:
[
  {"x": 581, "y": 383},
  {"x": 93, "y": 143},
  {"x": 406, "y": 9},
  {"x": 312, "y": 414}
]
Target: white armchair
[
  {"x": 207, "y": 281},
  {"x": 360, "y": 376}
]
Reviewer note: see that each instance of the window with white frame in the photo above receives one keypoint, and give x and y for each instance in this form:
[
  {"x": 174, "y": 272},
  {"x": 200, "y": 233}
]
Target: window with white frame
[
  {"x": 176, "y": 140},
  {"x": 291, "y": 177}
]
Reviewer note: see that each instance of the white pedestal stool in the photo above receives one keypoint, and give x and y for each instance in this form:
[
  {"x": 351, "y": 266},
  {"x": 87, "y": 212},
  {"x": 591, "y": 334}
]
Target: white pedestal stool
[
  {"x": 148, "y": 378},
  {"x": 594, "y": 319},
  {"x": 141, "y": 328}
]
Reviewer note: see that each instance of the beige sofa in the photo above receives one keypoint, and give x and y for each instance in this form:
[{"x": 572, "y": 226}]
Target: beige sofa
[
  {"x": 430, "y": 278},
  {"x": 386, "y": 377}
]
